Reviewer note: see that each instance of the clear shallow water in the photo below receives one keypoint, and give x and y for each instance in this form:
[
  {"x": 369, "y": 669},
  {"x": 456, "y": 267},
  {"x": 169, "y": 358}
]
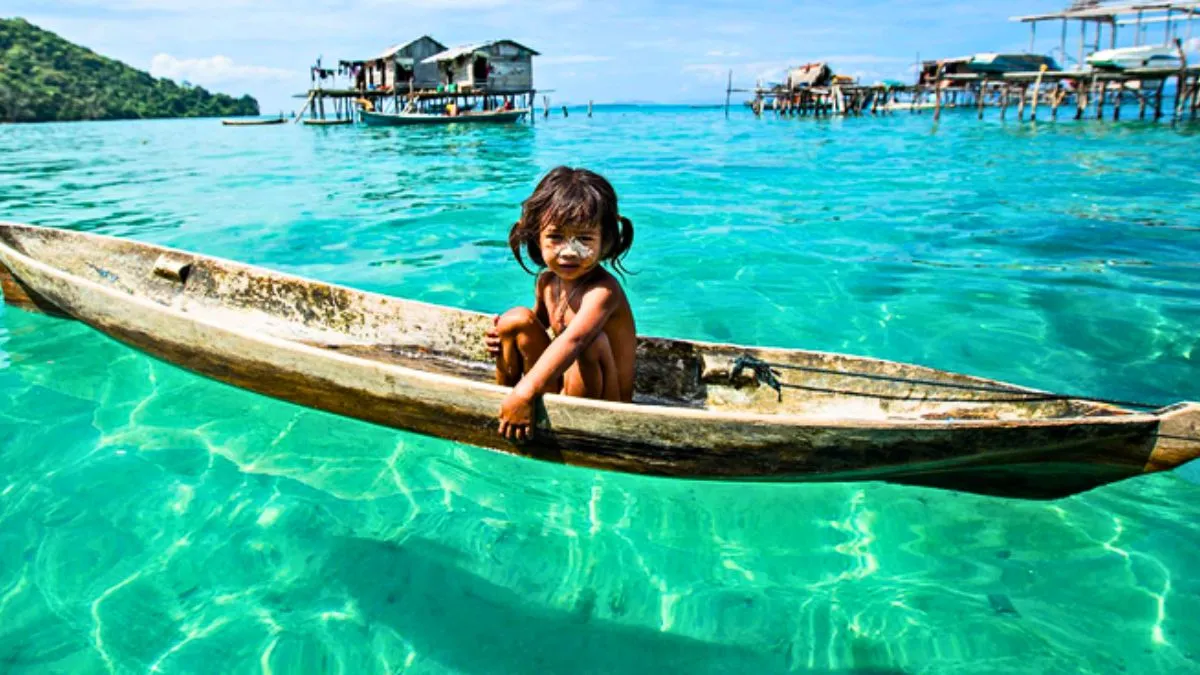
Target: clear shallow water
[{"x": 151, "y": 519}]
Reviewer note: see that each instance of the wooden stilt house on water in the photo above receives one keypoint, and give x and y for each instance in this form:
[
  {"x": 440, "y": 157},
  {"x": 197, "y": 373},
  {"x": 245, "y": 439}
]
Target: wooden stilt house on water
[
  {"x": 423, "y": 76},
  {"x": 399, "y": 67}
]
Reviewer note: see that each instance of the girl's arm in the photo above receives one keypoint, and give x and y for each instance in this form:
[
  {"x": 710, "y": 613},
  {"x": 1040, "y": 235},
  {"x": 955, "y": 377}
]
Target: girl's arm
[{"x": 516, "y": 411}]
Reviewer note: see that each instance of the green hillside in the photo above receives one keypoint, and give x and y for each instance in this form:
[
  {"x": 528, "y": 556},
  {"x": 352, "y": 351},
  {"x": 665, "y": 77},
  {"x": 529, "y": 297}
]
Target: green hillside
[{"x": 45, "y": 78}]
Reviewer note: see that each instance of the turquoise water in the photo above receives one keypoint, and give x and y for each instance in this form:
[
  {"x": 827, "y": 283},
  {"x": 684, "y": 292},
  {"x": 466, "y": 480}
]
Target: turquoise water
[{"x": 151, "y": 520}]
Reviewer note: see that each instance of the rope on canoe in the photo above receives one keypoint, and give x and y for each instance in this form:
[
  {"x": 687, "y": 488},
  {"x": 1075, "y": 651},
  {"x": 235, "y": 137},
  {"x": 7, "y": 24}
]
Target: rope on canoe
[{"x": 765, "y": 373}]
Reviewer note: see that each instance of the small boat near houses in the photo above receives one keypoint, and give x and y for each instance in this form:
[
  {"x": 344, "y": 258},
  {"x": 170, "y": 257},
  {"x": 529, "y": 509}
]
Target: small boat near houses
[
  {"x": 253, "y": 122},
  {"x": 1128, "y": 58},
  {"x": 701, "y": 410},
  {"x": 404, "y": 119}
]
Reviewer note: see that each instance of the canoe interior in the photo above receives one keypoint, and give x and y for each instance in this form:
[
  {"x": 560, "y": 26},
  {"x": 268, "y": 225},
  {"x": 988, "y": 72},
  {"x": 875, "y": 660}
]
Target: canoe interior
[{"x": 450, "y": 341}]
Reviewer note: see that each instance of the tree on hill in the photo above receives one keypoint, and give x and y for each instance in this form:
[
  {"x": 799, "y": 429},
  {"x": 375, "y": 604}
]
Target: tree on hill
[{"x": 46, "y": 78}]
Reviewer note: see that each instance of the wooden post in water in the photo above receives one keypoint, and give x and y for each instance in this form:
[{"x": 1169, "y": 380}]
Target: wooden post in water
[
  {"x": 1117, "y": 100},
  {"x": 1003, "y": 100},
  {"x": 1195, "y": 95},
  {"x": 589, "y": 107},
  {"x": 979, "y": 98},
  {"x": 1021, "y": 103},
  {"x": 1056, "y": 97},
  {"x": 1158, "y": 99},
  {"x": 937, "y": 91},
  {"x": 728, "y": 92},
  {"x": 1037, "y": 86},
  {"x": 300, "y": 115},
  {"x": 1141, "y": 94},
  {"x": 1100, "y": 100},
  {"x": 1180, "y": 79}
]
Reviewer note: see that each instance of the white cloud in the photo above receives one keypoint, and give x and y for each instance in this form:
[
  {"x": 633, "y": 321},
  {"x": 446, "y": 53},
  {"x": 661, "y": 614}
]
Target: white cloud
[
  {"x": 571, "y": 58},
  {"x": 719, "y": 53},
  {"x": 213, "y": 70}
]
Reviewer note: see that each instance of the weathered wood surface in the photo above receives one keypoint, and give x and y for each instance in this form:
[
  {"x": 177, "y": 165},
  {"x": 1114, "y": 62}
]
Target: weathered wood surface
[{"x": 422, "y": 367}]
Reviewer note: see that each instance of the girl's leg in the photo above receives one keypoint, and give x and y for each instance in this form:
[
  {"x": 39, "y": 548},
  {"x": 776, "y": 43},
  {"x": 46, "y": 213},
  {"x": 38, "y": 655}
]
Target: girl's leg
[
  {"x": 522, "y": 341},
  {"x": 594, "y": 373}
]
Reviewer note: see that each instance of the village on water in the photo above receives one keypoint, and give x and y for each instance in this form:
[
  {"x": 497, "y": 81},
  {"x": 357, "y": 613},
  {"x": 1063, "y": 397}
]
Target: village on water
[{"x": 1105, "y": 56}]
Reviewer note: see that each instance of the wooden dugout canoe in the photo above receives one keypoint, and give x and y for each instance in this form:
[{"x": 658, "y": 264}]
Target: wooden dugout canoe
[
  {"x": 253, "y": 122},
  {"x": 423, "y": 367}
]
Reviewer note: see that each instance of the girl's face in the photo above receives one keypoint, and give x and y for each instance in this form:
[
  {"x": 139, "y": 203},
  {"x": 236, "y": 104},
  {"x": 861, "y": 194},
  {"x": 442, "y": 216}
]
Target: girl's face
[{"x": 570, "y": 251}]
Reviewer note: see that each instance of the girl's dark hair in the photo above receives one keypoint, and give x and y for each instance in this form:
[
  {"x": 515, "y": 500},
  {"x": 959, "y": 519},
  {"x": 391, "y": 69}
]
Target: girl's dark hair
[{"x": 573, "y": 196}]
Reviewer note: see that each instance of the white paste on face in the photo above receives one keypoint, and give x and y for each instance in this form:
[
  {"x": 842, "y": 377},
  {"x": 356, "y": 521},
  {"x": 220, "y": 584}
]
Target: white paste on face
[{"x": 581, "y": 250}]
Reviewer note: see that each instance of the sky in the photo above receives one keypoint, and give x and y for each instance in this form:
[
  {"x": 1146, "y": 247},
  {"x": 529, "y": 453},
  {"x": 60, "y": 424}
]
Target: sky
[{"x": 666, "y": 51}]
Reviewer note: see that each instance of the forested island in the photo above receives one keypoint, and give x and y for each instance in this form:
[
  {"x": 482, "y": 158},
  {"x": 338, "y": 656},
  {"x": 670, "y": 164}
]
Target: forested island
[{"x": 44, "y": 78}]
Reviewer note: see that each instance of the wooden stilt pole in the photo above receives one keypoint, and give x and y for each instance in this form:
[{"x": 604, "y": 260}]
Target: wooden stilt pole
[
  {"x": 1158, "y": 99},
  {"x": 1141, "y": 94},
  {"x": 937, "y": 92},
  {"x": 1100, "y": 100},
  {"x": 1021, "y": 104},
  {"x": 979, "y": 99},
  {"x": 1117, "y": 100},
  {"x": 300, "y": 115},
  {"x": 1037, "y": 87},
  {"x": 1195, "y": 95},
  {"x": 1180, "y": 79},
  {"x": 1055, "y": 98},
  {"x": 728, "y": 93},
  {"x": 1003, "y": 100}
]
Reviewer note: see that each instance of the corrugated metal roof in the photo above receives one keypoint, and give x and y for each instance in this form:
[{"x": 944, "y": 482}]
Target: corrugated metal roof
[
  {"x": 451, "y": 54},
  {"x": 391, "y": 51}
]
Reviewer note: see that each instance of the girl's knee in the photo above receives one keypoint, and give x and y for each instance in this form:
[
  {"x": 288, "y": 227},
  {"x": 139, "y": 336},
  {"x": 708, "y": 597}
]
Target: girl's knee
[
  {"x": 516, "y": 320},
  {"x": 599, "y": 351}
]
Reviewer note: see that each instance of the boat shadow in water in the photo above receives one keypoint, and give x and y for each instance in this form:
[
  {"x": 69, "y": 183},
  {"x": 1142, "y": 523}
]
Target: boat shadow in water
[{"x": 470, "y": 624}]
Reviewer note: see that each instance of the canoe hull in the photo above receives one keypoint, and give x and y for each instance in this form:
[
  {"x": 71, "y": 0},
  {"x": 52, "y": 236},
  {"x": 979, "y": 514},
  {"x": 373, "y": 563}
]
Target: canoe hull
[
  {"x": 253, "y": 122},
  {"x": 1035, "y": 459},
  {"x": 375, "y": 119}
]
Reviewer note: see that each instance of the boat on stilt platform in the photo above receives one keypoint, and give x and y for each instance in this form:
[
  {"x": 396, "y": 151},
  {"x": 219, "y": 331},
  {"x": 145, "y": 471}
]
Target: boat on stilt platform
[
  {"x": 993, "y": 63},
  {"x": 701, "y": 410},
  {"x": 1128, "y": 58}
]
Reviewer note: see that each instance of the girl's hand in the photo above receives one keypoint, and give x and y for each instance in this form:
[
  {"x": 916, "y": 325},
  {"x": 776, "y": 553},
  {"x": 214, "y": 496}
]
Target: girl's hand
[
  {"x": 516, "y": 415},
  {"x": 492, "y": 339}
]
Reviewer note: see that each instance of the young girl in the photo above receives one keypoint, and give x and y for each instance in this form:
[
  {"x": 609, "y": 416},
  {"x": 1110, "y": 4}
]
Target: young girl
[{"x": 579, "y": 339}]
